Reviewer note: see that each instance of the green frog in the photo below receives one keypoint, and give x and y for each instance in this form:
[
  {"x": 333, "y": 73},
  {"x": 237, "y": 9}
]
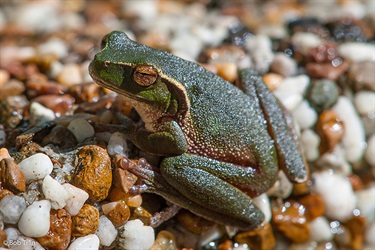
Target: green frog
[{"x": 220, "y": 144}]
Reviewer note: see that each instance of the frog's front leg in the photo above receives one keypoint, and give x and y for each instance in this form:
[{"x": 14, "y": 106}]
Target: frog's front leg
[{"x": 279, "y": 124}]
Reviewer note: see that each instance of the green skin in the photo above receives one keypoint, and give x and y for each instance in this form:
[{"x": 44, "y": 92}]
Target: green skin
[{"x": 221, "y": 144}]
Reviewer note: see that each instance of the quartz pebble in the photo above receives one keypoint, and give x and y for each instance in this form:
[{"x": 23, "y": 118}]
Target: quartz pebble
[
  {"x": 54, "y": 46},
  {"x": 304, "y": 41},
  {"x": 365, "y": 102},
  {"x": 136, "y": 236},
  {"x": 354, "y": 137},
  {"x": 357, "y": 52},
  {"x": 70, "y": 75},
  {"x": 362, "y": 75},
  {"x": 337, "y": 194},
  {"x": 263, "y": 203},
  {"x": 369, "y": 154},
  {"x": 305, "y": 115},
  {"x": 35, "y": 220},
  {"x": 76, "y": 198},
  {"x": 310, "y": 143},
  {"x": 106, "y": 231},
  {"x": 282, "y": 187},
  {"x": 12, "y": 207},
  {"x": 320, "y": 230},
  {"x": 117, "y": 145},
  {"x": 335, "y": 160},
  {"x": 54, "y": 192},
  {"x": 81, "y": 129},
  {"x": 283, "y": 65},
  {"x": 261, "y": 52},
  {"x": 366, "y": 202},
  {"x": 86, "y": 221},
  {"x": 87, "y": 242},
  {"x": 40, "y": 114},
  {"x": 36, "y": 167},
  {"x": 370, "y": 239}
]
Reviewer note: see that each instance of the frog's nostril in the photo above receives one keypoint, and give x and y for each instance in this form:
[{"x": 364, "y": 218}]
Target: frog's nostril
[{"x": 107, "y": 63}]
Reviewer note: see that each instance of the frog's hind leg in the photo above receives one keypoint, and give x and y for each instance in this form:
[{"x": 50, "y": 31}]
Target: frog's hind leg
[{"x": 279, "y": 124}]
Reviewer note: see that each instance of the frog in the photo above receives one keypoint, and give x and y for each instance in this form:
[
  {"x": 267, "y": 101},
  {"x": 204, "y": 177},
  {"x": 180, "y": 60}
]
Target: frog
[{"x": 221, "y": 144}]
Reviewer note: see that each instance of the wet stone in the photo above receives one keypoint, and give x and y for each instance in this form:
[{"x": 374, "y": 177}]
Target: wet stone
[
  {"x": 262, "y": 239},
  {"x": 361, "y": 75},
  {"x": 193, "y": 223},
  {"x": 61, "y": 137},
  {"x": 322, "y": 94},
  {"x": 93, "y": 172},
  {"x": 88, "y": 92},
  {"x": 314, "y": 206},
  {"x": 37, "y": 87},
  {"x": 60, "y": 104},
  {"x": 12, "y": 111},
  {"x": 141, "y": 214},
  {"x": 330, "y": 128},
  {"x": 11, "y": 176},
  {"x": 357, "y": 227},
  {"x": 118, "y": 212},
  {"x": 11, "y": 88},
  {"x": 164, "y": 240},
  {"x": 12, "y": 207},
  {"x": 86, "y": 221},
  {"x": 59, "y": 233}
]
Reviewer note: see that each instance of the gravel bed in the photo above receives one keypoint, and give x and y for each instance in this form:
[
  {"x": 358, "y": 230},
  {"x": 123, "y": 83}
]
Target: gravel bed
[{"x": 63, "y": 181}]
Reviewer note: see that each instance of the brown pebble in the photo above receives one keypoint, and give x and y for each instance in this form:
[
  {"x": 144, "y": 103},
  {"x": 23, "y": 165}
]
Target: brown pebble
[
  {"x": 142, "y": 214},
  {"x": 88, "y": 92},
  {"x": 59, "y": 233},
  {"x": 117, "y": 194},
  {"x": 327, "y": 70},
  {"x": 122, "y": 178},
  {"x": 86, "y": 221},
  {"x": 193, "y": 223},
  {"x": 357, "y": 227},
  {"x": 11, "y": 88},
  {"x": 118, "y": 212},
  {"x": 37, "y": 87},
  {"x": 356, "y": 182},
  {"x": 93, "y": 172},
  {"x": 330, "y": 128},
  {"x": 361, "y": 75},
  {"x": 4, "y": 192},
  {"x": 302, "y": 188},
  {"x": 12, "y": 111},
  {"x": 60, "y": 104},
  {"x": 164, "y": 240},
  {"x": 272, "y": 80},
  {"x": 3, "y": 237},
  {"x": 4, "y": 77},
  {"x": 11, "y": 176},
  {"x": 291, "y": 221},
  {"x": 226, "y": 70},
  {"x": 314, "y": 206},
  {"x": 227, "y": 244},
  {"x": 262, "y": 238},
  {"x": 4, "y": 153}
]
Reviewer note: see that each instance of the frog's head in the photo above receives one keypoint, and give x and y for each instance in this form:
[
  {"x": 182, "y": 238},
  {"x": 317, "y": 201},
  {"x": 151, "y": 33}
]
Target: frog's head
[{"x": 134, "y": 70}]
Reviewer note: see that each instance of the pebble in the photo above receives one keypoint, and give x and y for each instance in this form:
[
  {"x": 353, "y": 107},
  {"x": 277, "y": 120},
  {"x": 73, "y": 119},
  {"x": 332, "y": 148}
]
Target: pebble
[
  {"x": 260, "y": 48},
  {"x": 59, "y": 233},
  {"x": 122, "y": 178},
  {"x": 54, "y": 46},
  {"x": 87, "y": 242},
  {"x": 335, "y": 160},
  {"x": 310, "y": 144},
  {"x": 354, "y": 137},
  {"x": 322, "y": 94},
  {"x": 283, "y": 65},
  {"x": 370, "y": 239},
  {"x": 60, "y": 104},
  {"x": 304, "y": 41},
  {"x": 272, "y": 80},
  {"x": 106, "y": 231},
  {"x": 193, "y": 223},
  {"x": 314, "y": 206},
  {"x": 365, "y": 102},
  {"x": 40, "y": 114},
  {"x": 262, "y": 238},
  {"x": 330, "y": 129},
  {"x": 356, "y": 51},
  {"x": 36, "y": 167},
  {"x": 81, "y": 129},
  {"x": 61, "y": 137},
  {"x": 305, "y": 115},
  {"x": 11, "y": 176},
  {"x": 366, "y": 203},
  {"x": 54, "y": 192},
  {"x": 93, "y": 172},
  {"x": 117, "y": 145},
  {"x": 320, "y": 230},
  {"x": 297, "y": 84},
  {"x": 337, "y": 194},
  {"x": 70, "y": 75},
  {"x": 282, "y": 187},
  {"x": 369, "y": 154},
  {"x": 86, "y": 221},
  {"x": 118, "y": 212},
  {"x": 35, "y": 220},
  {"x": 76, "y": 199},
  {"x": 361, "y": 75},
  {"x": 135, "y": 235},
  {"x": 263, "y": 203},
  {"x": 289, "y": 99},
  {"x": 13, "y": 87},
  {"x": 12, "y": 207}
]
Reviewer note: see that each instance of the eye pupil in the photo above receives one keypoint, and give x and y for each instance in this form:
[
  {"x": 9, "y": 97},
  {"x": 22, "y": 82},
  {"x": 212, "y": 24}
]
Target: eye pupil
[{"x": 145, "y": 75}]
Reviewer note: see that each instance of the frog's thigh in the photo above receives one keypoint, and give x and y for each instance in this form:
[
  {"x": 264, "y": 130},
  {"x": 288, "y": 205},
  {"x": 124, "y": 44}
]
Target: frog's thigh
[
  {"x": 288, "y": 150},
  {"x": 185, "y": 173}
]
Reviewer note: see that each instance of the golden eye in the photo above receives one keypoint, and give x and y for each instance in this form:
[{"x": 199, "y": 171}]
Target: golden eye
[{"x": 145, "y": 75}]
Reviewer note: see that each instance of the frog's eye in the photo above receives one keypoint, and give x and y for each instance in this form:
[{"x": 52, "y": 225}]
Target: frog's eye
[
  {"x": 104, "y": 42},
  {"x": 145, "y": 75}
]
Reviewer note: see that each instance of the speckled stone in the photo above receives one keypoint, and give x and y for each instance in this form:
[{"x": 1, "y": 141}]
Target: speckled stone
[
  {"x": 11, "y": 176},
  {"x": 86, "y": 221},
  {"x": 93, "y": 172},
  {"x": 59, "y": 234},
  {"x": 118, "y": 212},
  {"x": 322, "y": 94},
  {"x": 262, "y": 238}
]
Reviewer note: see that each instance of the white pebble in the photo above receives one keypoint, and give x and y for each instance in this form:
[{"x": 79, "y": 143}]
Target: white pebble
[
  {"x": 263, "y": 203},
  {"x": 335, "y": 160},
  {"x": 304, "y": 41},
  {"x": 12, "y": 206},
  {"x": 40, "y": 114},
  {"x": 260, "y": 47},
  {"x": 366, "y": 203},
  {"x": 365, "y": 102},
  {"x": 370, "y": 239},
  {"x": 370, "y": 151},
  {"x": 36, "y": 167},
  {"x": 296, "y": 84},
  {"x": 357, "y": 52},
  {"x": 337, "y": 193},
  {"x": 54, "y": 192},
  {"x": 81, "y": 129},
  {"x": 117, "y": 145},
  {"x": 310, "y": 144},
  {"x": 136, "y": 235},
  {"x": 187, "y": 43},
  {"x": 23, "y": 243},
  {"x": 282, "y": 187},
  {"x": 320, "y": 230},
  {"x": 90, "y": 241},
  {"x": 289, "y": 99},
  {"x": 354, "y": 136},
  {"x": 76, "y": 199},
  {"x": 35, "y": 221},
  {"x": 54, "y": 46},
  {"x": 106, "y": 231},
  {"x": 284, "y": 65},
  {"x": 70, "y": 75},
  {"x": 305, "y": 115}
]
